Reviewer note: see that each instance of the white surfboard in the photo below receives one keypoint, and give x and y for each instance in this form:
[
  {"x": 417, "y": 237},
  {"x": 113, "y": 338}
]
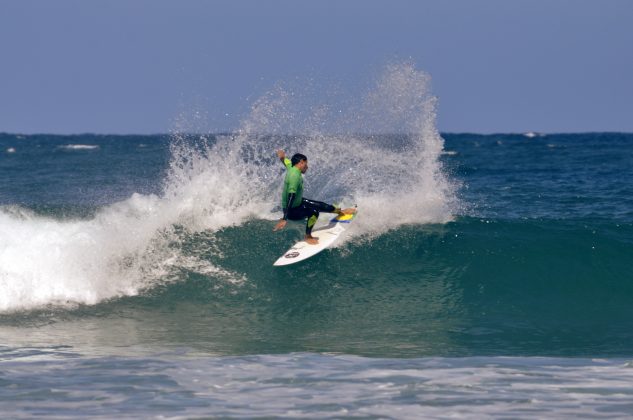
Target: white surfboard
[{"x": 326, "y": 234}]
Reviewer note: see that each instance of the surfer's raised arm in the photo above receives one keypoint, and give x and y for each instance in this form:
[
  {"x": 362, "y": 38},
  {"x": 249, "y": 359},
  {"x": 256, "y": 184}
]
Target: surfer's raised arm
[{"x": 282, "y": 157}]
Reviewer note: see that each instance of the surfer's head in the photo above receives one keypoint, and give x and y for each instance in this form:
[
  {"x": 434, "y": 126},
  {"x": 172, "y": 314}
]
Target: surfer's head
[{"x": 300, "y": 161}]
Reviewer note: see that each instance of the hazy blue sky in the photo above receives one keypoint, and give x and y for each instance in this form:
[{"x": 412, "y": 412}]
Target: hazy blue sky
[{"x": 132, "y": 66}]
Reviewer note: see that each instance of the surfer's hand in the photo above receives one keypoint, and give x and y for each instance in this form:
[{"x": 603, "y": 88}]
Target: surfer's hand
[
  {"x": 281, "y": 154},
  {"x": 280, "y": 225}
]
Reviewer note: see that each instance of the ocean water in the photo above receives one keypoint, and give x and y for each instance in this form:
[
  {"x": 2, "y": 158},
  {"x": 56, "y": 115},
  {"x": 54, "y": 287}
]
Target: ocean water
[{"x": 485, "y": 275}]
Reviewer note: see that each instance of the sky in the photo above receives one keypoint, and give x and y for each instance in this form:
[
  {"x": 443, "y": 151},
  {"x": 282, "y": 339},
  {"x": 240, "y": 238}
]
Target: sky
[{"x": 141, "y": 66}]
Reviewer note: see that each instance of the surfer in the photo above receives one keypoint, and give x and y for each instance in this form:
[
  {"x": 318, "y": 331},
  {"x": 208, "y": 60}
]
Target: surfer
[{"x": 296, "y": 207}]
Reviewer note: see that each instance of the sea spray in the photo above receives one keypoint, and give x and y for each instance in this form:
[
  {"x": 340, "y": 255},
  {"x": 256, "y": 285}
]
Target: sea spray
[
  {"x": 382, "y": 152},
  {"x": 405, "y": 182}
]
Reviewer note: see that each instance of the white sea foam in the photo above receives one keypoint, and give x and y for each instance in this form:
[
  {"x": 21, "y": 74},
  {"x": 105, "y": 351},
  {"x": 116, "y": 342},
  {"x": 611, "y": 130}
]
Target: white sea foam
[
  {"x": 79, "y": 147},
  {"x": 45, "y": 261},
  {"x": 126, "y": 248},
  {"x": 533, "y": 134}
]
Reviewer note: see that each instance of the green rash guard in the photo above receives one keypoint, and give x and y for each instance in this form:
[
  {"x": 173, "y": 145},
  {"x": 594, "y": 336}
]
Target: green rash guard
[{"x": 293, "y": 183}]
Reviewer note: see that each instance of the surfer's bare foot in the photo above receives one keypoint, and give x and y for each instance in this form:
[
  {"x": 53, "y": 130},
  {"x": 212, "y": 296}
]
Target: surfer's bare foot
[
  {"x": 311, "y": 240},
  {"x": 350, "y": 210}
]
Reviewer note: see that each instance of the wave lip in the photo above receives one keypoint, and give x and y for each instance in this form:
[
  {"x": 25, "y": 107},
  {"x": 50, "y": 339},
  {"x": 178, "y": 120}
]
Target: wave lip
[
  {"x": 49, "y": 262},
  {"x": 45, "y": 261}
]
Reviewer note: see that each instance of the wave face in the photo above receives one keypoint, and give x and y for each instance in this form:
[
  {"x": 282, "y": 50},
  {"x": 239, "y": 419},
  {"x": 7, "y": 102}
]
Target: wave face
[{"x": 465, "y": 244}]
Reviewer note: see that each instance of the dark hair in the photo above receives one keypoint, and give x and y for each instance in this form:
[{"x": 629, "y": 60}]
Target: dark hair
[{"x": 296, "y": 158}]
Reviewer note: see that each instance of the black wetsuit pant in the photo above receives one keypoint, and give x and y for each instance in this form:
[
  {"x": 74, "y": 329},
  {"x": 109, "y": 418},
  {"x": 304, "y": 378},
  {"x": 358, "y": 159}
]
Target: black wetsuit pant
[{"x": 310, "y": 209}]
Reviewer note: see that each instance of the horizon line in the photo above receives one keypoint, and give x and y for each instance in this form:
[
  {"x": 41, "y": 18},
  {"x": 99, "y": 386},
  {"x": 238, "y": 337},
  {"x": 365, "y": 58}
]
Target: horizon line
[{"x": 228, "y": 133}]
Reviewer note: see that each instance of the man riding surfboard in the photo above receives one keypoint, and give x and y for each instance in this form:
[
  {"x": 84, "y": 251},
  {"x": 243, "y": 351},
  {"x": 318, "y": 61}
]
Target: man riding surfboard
[{"x": 295, "y": 207}]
